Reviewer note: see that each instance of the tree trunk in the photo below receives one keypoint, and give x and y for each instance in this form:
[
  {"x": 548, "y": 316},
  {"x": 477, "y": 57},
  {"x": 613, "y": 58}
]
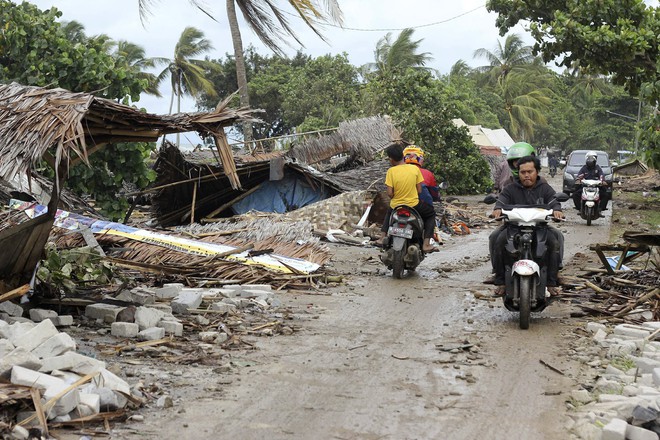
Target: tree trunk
[{"x": 241, "y": 75}]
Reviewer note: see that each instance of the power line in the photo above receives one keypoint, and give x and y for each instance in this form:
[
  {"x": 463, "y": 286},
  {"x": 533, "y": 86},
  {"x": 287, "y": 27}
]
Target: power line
[{"x": 435, "y": 23}]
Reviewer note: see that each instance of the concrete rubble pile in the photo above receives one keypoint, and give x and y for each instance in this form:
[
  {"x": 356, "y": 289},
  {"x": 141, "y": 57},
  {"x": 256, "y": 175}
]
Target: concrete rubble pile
[
  {"x": 34, "y": 353},
  {"x": 623, "y": 402}
]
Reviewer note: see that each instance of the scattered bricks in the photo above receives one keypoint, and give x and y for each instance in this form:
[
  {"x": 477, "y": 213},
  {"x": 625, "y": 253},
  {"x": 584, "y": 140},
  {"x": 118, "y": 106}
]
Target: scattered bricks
[
  {"x": 38, "y": 315},
  {"x": 171, "y": 327},
  {"x": 223, "y": 307},
  {"x": 151, "y": 334},
  {"x": 254, "y": 293},
  {"x": 64, "y": 404},
  {"x": 55, "y": 346},
  {"x": 615, "y": 430},
  {"x": 124, "y": 329},
  {"x": 593, "y": 327},
  {"x": 62, "y": 321},
  {"x": 146, "y": 317},
  {"x": 137, "y": 297},
  {"x": 18, "y": 357},
  {"x": 11, "y": 309},
  {"x": 208, "y": 336},
  {"x": 169, "y": 291},
  {"x": 90, "y": 404},
  {"x": 72, "y": 361},
  {"x": 5, "y": 347},
  {"x": 645, "y": 365},
  {"x": 108, "y": 379},
  {"x": 35, "y": 336},
  {"x": 105, "y": 312},
  {"x": 186, "y": 301},
  {"x": 629, "y": 330},
  {"x": 638, "y": 433}
]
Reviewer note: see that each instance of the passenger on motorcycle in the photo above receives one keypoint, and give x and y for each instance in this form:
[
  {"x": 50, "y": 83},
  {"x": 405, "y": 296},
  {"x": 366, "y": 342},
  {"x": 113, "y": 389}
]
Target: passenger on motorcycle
[
  {"x": 507, "y": 173},
  {"x": 591, "y": 171},
  {"x": 415, "y": 156},
  {"x": 528, "y": 190},
  {"x": 404, "y": 184}
]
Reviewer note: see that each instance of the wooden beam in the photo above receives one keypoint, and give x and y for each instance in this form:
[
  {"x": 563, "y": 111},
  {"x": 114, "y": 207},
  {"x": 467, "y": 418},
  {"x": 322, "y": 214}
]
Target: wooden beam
[
  {"x": 231, "y": 202},
  {"x": 603, "y": 260}
]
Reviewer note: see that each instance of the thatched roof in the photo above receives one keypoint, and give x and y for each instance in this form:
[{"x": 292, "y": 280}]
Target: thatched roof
[{"x": 35, "y": 119}]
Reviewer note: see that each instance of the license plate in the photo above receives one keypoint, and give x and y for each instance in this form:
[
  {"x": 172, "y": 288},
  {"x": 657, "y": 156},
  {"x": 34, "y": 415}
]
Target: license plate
[{"x": 400, "y": 232}]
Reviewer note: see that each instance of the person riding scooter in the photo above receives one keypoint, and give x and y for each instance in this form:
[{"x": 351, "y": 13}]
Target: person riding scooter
[
  {"x": 591, "y": 171},
  {"x": 528, "y": 190},
  {"x": 415, "y": 156}
]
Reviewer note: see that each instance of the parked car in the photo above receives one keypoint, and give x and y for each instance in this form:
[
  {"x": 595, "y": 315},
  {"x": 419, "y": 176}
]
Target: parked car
[{"x": 576, "y": 161}]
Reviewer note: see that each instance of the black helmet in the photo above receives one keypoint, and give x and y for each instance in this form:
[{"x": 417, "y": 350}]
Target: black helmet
[{"x": 591, "y": 159}]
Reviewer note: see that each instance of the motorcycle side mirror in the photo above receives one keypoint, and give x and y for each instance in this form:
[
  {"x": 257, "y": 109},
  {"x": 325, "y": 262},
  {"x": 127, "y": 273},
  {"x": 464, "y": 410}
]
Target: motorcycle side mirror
[
  {"x": 562, "y": 197},
  {"x": 490, "y": 199},
  {"x": 443, "y": 185}
]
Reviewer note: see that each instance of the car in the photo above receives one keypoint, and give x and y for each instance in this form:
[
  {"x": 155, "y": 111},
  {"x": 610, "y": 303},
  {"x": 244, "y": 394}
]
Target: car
[{"x": 576, "y": 160}]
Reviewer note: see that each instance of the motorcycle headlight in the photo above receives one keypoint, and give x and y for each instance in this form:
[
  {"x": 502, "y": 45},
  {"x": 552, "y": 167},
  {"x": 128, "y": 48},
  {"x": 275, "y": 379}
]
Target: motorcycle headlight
[{"x": 568, "y": 177}]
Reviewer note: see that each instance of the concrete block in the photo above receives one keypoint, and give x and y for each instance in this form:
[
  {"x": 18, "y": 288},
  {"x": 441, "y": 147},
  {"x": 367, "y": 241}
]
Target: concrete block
[
  {"x": 108, "y": 379},
  {"x": 169, "y": 291},
  {"x": 65, "y": 403},
  {"x": 104, "y": 312},
  {"x": 36, "y": 336},
  {"x": 624, "y": 348},
  {"x": 16, "y": 329},
  {"x": 55, "y": 346},
  {"x": 5, "y": 347},
  {"x": 151, "y": 334},
  {"x": 109, "y": 400},
  {"x": 223, "y": 307},
  {"x": 20, "y": 433},
  {"x": 645, "y": 365},
  {"x": 137, "y": 297},
  {"x": 615, "y": 430},
  {"x": 165, "y": 308},
  {"x": 89, "y": 405},
  {"x": 653, "y": 325},
  {"x": 266, "y": 287},
  {"x": 254, "y": 293},
  {"x": 208, "y": 336},
  {"x": 186, "y": 301},
  {"x": 639, "y": 433},
  {"x": 31, "y": 378},
  {"x": 38, "y": 315},
  {"x": 72, "y": 361},
  {"x": 171, "y": 327},
  {"x": 62, "y": 321},
  {"x": 124, "y": 329},
  {"x": 11, "y": 309},
  {"x": 630, "y": 330},
  {"x": 146, "y": 317},
  {"x": 18, "y": 357},
  {"x": 593, "y": 327},
  {"x": 229, "y": 293}
]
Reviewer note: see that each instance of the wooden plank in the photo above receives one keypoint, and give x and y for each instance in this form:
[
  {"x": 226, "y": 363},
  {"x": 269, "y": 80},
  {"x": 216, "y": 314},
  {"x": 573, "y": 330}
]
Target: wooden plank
[
  {"x": 606, "y": 264},
  {"x": 20, "y": 291},
  {"x": 622, "y": 257}
]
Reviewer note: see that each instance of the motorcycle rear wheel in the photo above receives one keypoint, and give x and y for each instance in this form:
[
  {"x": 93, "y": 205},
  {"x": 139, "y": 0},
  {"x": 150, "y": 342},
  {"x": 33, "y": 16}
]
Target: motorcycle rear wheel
[
  {"x": 525, "y": 301},
  {"x": 397, "y": 264}
]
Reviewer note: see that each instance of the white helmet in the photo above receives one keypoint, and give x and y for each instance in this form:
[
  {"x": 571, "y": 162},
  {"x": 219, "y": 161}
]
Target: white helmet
[{"x": 591, "y": 154}]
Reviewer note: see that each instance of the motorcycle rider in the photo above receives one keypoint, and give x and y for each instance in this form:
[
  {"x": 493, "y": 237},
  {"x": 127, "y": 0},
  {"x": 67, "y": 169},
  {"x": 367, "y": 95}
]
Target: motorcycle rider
[
  {"x": 528, "y": 190},
  {"x": 404, "y": 185},
  {"x": 552, "y": 164},
  {"x": 590, "y": 171},
  {"x": 507, "y": 173}
]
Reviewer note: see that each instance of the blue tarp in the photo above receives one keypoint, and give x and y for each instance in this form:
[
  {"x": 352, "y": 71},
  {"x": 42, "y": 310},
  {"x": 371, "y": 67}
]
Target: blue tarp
[{"x": 281, "y": 196}]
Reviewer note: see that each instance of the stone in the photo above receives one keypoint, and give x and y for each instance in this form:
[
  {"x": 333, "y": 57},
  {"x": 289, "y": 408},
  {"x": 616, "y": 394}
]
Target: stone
[
  {"x": 208, "y": 336},
  {"x": 646, "y": 365},
  {"x": 223, "y": 307},
  {"x": 52, "y": 386},
  {"x": 18, "y": 357},
  {"x": 615, "y": 430},
  {"x": 581, "y": 396},
  {"x": 126, "y": 315},
  {"x": 11, "y": 309},
  {"x": 623, "y": 349},
  {"x": 656, "y": 376},
  {"x": 62, "y": 321},
  {"x": 164, "y": 402},
  {"x": 169, "y": 291},
  {"x": 124, "y": 329},
  {"x": 38, "y": 315},
  {"x": 72, "y": 361},
  {"x": 5, "y": 347},
  {"x": 151, "y": 334},
  {"x": 171, "y": 327},
  {"x": 104, "y": 312},
  {"x": 36, "y": 336},
  {"x": 630, "y": 330},
  {"x": 108, "y": 379},
  {"x": 185, "y": 301},
  {"x": 593, "y": 327},
  {"x": 146, "y": 317},
  {"x": 641, "y": 415},
  {"x": 55, "y": 346},
  {"x": 90, "y": 404},
  {"x": 638, "y": 433},
  {"x": 137, "y": 297},
  {"x": 20, "y": 433}
]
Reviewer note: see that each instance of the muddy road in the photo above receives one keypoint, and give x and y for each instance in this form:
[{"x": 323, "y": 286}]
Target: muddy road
[{"x": 377, "y": 358}]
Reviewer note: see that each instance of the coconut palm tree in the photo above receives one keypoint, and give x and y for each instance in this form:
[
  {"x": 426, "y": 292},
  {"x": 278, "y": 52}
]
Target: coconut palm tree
[
  {"x": 505, "y": 58},
  {"x": 525, "y": 99},
  {"x": 134, "y": 56},
  {"x": 398, "y": 54},
  {"x": 268, "y": 21},
  {"x": 187, "y": 74}
]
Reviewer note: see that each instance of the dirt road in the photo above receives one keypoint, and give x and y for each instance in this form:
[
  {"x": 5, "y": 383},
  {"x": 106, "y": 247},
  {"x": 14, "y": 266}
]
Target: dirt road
[{"x": 379, "y": 358}]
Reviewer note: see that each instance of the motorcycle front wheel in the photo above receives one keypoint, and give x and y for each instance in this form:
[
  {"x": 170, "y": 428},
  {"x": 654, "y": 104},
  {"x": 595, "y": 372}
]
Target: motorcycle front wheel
[
  {"x": 590, "y": 214},
  {"x": 397, "y": 264},
  {"x": 525, "y": 284}
]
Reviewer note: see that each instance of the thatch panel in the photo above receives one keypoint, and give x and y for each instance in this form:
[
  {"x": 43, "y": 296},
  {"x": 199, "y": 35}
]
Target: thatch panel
[
  {"x": 368, "y": 136},
  {"x": 370, "y": 176},
  {"x": 22, "y": 247},
  {"x": 336, "y": 212}
]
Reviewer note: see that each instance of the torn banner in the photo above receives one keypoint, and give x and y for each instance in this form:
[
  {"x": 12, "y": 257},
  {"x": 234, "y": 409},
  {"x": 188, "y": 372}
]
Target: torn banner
[{"x": 71, "y": 221}]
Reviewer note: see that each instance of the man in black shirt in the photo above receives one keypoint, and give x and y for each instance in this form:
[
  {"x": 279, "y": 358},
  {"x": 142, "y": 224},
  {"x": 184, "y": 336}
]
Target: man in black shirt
[{"x": 590, "y": 171}]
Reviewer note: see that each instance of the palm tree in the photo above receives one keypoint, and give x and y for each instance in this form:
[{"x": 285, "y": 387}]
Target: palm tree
[
  {"x": 134, "y": 56},
  {"x": 268, "y": 21},
  {"x": 398, "y": 54},
  {"x": 505, "y": 58},
  {"x": 187, "y": 74},
  {"x": 526, "y": 98}
]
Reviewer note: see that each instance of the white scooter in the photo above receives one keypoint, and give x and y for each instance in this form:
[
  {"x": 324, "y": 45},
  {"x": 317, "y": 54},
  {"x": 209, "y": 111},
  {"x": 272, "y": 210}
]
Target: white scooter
[{"x": 590, "y": 200}]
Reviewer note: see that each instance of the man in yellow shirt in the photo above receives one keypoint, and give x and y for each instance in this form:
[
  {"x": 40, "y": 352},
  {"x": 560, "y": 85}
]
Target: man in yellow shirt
[{"x": 404, "y": 184}]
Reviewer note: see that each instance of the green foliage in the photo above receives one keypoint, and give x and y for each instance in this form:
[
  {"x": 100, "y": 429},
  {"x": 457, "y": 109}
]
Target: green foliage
[
  {"x": 111, "y": 168},
  {"x": 414, "y": 99},
  {"x": 64, "y": 271},
  {"x": 35, "y": 50},
  {"x": 609, "y": 37}
]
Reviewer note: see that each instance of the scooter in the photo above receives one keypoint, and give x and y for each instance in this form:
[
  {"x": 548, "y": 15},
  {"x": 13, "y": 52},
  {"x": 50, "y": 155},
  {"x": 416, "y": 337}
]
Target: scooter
[
  {"x": 590, "y": 200},
  {"x": 553, "y": 171},
  {"x": 403, "y": 248},
  {"x": 526, "y": 277}
]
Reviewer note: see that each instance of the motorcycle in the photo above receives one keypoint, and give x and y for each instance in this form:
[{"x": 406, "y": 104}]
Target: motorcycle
[
  {"x": 405, "y": 239},
  {"x": 590, "y": 200},
  {"x": 553, "y": 171},
  {"x": 526, "y": 277}
]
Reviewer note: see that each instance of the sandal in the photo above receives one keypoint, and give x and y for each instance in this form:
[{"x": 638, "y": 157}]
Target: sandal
[
  {"x": 500, "y": 290},
  {"x": 554, "y": 290},
  {"x": 430, "y": 250}
]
